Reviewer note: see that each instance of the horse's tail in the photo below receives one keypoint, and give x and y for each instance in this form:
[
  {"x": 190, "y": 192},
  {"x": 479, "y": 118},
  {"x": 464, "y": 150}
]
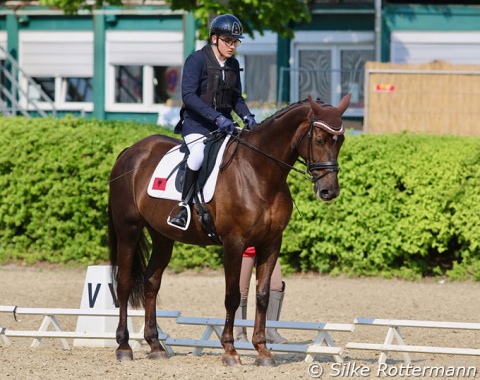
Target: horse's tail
[{"x": 137, "y": 295}]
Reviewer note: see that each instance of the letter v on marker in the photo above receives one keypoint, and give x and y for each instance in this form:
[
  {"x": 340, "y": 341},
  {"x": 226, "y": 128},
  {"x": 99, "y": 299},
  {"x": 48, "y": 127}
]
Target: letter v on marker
[
  {"x": 92, "y": 300},
  {"x": 114, "y": 296}
]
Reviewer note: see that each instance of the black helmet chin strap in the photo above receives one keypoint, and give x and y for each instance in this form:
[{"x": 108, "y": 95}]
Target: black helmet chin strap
[{"x": 218, "y": 49}]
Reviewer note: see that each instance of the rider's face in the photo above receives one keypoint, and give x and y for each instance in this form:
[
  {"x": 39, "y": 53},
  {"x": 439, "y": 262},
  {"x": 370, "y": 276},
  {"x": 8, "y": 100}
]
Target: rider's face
[{"x": 226, "y": 45}]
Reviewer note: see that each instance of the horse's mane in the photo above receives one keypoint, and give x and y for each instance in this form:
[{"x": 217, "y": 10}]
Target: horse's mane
[{"x": 287, "y": 108}]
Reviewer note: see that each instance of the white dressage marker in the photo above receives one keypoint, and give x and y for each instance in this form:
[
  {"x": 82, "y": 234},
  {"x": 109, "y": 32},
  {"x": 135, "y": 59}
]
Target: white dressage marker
[{"x": 98, "y": 294}]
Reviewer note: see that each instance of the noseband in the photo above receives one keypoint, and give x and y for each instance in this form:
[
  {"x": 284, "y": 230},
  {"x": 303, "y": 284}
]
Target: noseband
[{"x": 329, "y": 166}]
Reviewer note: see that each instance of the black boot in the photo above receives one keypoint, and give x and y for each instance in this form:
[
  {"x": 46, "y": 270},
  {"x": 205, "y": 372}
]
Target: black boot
[{"x": 189, "y": 181}]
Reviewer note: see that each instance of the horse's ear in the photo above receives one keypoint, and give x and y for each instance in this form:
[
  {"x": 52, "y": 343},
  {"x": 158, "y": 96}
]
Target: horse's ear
[
  {"x": 317, "y": 109},
  {"x": 344, "y": 103}
]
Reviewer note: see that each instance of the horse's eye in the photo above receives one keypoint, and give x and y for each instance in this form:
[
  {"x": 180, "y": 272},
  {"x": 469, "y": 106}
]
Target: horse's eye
[{"x": 320, "y": 141}]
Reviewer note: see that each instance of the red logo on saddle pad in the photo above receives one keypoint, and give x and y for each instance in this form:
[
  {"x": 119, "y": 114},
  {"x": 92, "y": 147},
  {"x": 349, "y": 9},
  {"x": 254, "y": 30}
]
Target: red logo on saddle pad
[{"x": 159, "y": 184}]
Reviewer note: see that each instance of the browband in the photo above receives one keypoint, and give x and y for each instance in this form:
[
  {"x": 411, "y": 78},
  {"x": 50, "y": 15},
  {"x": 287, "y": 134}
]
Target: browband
[{"x": 328, "y": 128}]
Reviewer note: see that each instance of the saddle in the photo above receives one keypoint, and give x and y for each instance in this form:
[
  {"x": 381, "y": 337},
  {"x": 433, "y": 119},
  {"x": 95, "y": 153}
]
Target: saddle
[{"x": 167, "y": 179}]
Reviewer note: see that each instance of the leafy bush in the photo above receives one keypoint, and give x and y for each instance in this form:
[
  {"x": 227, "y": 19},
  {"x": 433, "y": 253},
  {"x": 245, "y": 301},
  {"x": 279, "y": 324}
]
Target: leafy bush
[
  {"x": 408, "y": 205},
  {"x": 54, "y": 186}
]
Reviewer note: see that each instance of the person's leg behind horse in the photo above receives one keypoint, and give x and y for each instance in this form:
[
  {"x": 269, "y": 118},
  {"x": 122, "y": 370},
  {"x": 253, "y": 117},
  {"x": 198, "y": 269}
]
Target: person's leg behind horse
[
  {"x": 248, "y": 262},
  {"x": 195, "y": 143},
  {"x": 277, "y": 292}
]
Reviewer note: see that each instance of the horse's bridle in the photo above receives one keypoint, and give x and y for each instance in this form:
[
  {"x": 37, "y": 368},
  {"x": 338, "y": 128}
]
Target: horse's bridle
[{"x": 329, "y": 166}]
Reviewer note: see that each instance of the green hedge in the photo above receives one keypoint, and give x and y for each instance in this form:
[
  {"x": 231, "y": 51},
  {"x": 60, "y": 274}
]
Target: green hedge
[{"x": 408, "y": 205}]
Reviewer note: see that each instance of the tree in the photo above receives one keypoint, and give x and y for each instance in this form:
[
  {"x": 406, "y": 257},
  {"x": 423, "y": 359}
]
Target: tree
[
  {"x": 259, "y": 15},
  {"x": 256, "y": 15}
]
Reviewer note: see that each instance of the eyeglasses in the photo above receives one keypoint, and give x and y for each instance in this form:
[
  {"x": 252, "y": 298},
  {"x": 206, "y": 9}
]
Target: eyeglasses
[{"x": 231, "y": 43}]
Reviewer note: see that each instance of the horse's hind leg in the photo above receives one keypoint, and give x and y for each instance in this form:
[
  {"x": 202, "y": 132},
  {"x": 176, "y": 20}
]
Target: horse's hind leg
[
  {"x": 127, "y": 254},
  {"x": 161, "y": 254}
]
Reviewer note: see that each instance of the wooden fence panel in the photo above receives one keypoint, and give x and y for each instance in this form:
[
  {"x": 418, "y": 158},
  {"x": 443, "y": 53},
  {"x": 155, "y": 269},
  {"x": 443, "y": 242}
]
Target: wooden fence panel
[{"x": 437, "y": 98}]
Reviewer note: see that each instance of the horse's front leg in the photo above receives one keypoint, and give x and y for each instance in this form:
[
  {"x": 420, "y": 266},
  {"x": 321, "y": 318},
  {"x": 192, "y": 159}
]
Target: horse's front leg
[
  {"x": 153, "y": 279},
  {"x": 265, "y": 264},
  {"x": 232, "y": 263}
]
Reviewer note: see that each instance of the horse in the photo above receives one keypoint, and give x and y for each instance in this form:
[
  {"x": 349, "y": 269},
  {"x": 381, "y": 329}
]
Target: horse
[{"x": 251, "y": 206}]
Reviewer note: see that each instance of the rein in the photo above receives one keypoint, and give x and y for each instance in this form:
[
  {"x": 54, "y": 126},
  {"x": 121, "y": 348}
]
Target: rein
[
  {"x": 330, "y": 166},
  {"x": 253, "y": 147}
]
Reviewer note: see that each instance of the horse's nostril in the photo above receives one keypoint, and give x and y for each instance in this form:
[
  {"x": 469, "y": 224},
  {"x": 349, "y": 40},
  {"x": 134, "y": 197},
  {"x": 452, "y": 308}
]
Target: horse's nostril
[
  {"x": 325, "y": 194},
  {"x": 328, "y": 194}
]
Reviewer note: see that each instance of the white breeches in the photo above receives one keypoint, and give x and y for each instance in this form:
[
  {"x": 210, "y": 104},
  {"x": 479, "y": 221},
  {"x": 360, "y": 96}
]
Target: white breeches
[{"x": 195, "y": 143}]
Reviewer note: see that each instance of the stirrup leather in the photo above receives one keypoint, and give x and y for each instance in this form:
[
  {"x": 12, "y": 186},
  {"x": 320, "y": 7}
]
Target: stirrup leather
[{"x": 189, "y": 216}]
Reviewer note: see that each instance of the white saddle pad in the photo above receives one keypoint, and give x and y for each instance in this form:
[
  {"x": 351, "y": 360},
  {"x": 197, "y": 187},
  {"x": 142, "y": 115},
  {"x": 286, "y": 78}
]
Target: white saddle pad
[{"x": 162, "y": 183}]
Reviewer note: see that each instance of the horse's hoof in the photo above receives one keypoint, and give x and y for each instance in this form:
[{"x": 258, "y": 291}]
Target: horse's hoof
[
  {"x": 231, "y": 361},
  {"x": 158, "y": 355},
  {"x": 124, "y": 355},
  {"x": 265, "y": 362}
]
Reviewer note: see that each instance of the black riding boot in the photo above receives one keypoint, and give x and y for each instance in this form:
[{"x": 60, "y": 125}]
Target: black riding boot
[{"x": 189, "y": 181}]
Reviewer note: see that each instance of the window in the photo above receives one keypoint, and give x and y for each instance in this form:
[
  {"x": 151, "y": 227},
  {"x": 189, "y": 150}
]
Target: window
[
  {"x": 166, "y": 83},
  {"x": 128, "y": 84},
  {"x": 258, "y": 58},
  {"x": 3, "y": 79},
  {"x": 46, "y": 84},
  {"x": 143, "y": 70},
  {"x": 59, "y": 66},
  {"x": 78, "y": 89},
  {"x": 352, "y": 74},
  {"x": 62, "y": 91},
  {"x": 315, "y": 76},
  {"x": 332, "y": 67},
  {"x": 146, "y": 84},
  {"x": 261, "y": 78}
]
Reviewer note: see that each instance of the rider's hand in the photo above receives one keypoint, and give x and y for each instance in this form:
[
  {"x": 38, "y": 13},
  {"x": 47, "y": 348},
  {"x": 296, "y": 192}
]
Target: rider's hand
[
  {"x": 225, "y": 124},
  {"x": 249, "y": 122}
]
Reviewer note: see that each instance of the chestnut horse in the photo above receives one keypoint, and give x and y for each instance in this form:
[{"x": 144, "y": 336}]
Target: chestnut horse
[{"x": 251, "y": 206}]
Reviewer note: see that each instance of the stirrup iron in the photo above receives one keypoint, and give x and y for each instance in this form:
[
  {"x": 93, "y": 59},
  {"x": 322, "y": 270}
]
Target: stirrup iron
[{"x": 189, "y": 216}]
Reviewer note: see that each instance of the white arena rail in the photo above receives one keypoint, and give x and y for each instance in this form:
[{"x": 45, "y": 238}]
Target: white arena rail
[
  {"x": 50, "y": 318},
  {"x": 393, "y": 334},
  {"x": 323, "y": 344}
]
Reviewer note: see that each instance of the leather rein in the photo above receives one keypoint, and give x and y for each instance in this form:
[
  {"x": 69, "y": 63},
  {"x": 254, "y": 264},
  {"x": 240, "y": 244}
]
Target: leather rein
[{"x": 330, "y": 166}]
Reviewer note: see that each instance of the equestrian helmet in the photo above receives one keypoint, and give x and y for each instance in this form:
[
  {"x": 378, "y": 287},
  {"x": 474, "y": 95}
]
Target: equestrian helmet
[{"x": 226, "y": 25}]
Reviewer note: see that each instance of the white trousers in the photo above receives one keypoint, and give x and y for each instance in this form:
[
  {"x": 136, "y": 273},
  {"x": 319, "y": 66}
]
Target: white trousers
[{"x": 195, "y": 143}]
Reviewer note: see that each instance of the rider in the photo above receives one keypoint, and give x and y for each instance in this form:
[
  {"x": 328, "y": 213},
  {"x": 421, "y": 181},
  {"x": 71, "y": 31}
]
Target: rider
[{"x": 211, "y": 89}]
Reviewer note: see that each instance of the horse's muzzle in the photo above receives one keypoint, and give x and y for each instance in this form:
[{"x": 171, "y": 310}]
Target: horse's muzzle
[{"x": 326, "y": 193}]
